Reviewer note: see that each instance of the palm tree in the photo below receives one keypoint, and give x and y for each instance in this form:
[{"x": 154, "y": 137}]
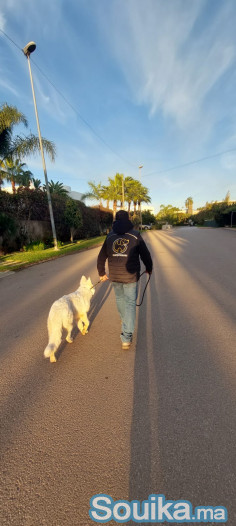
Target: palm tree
[
  {"x": 2, "y": 173},
  {"x": 227, "y": 198},
  {"x": 115, "y": 188},
  {"x": 9, "y": 117},
  {"x": 130, "y": 191},
  {"x": 95, "y": 193},
  {"x": 14, "y": 172},
  {"x": 189, "y": 205},
  {"x": 135, "y": 192},
  {"x": 25, "y": 178},
  {"x": 106, "y": 195},
  {"x": 17, "y": 147},
  {"x": 36, "y": 182},
  {"x": 143, "y": 196},
  {"x": 56, "y": 188}
]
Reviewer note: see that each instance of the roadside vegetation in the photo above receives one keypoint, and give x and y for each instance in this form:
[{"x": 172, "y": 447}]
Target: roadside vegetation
[
  {"x": 24, "y": 213},
  {"x": 37, "y": 253},
  {"x": 120, "y": 190},
  {"x": 213, "y": 214},
  {"x": 217, "y": 214},
  {"x": 25, "y": 229}
]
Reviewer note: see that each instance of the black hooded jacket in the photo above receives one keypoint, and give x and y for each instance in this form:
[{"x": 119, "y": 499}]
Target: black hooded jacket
[{"x": 122, "y": 247}]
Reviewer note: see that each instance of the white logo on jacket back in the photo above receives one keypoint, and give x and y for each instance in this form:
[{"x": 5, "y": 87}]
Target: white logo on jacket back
[{"x": 120, "y": 245}]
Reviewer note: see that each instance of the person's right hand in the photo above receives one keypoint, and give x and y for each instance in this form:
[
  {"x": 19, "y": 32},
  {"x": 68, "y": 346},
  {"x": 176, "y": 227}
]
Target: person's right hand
[{"x": 103, "y": 278}]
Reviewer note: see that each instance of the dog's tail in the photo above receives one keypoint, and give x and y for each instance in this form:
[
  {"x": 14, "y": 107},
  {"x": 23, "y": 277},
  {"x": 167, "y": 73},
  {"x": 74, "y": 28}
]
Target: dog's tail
[{"x": 54, "y": 333}]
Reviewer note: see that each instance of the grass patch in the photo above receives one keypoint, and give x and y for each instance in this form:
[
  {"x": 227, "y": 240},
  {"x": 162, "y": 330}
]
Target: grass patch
[{"x": 19, "y": 260}]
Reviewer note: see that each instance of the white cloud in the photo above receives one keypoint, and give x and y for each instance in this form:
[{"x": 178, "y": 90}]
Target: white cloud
[
  {"x": 8, "y": 87},
  {"x": 44, "y": 98},
  {"x": 170, "y": 183},
  {"x": 169, "y": 64},
  {"x": 50, "y": 101},
  {"x": 2, "y": 21},
  {"x": 228, "y": 161}
]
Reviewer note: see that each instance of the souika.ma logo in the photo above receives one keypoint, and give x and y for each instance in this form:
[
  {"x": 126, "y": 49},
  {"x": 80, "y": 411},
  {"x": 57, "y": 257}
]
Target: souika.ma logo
[{"x": 120, "y": 245}]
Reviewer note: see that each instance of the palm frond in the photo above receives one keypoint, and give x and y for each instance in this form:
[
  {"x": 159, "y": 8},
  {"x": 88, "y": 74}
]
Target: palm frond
[
  {"x": 9, "y": 116},
  {"x": 29, "y": 145}
]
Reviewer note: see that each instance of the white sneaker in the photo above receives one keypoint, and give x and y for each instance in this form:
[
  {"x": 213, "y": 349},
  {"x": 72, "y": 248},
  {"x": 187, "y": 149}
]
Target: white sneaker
[{"x": 126, "y": 346}]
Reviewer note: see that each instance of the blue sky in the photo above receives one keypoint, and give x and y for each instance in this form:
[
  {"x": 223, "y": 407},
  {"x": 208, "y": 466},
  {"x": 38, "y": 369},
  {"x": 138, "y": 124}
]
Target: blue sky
[{"x": 154, "y": 79}]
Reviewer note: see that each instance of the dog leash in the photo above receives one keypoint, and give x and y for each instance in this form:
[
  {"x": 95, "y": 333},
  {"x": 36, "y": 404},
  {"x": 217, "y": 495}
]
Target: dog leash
[
  {"x": 137, "y": 304},
  {"x": 93, "y": 287},
  {"x": 144, "y": 272}
]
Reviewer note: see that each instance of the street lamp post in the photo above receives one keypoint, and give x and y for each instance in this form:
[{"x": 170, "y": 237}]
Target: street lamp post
[
  {"x": 140, "y": 168},
  {"x": 27, "y": 50}
]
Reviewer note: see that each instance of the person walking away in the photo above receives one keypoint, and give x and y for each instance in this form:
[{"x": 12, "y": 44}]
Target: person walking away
[{"x": 123, "y": 248}]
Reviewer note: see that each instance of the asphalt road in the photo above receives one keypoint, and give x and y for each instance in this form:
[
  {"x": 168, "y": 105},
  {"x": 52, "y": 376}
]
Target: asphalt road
[{"x": 158, "y": 419}]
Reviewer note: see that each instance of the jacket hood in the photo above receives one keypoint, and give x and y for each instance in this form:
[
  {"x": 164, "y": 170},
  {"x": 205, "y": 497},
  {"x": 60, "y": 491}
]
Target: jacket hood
[{"x": 122, "y": 226}]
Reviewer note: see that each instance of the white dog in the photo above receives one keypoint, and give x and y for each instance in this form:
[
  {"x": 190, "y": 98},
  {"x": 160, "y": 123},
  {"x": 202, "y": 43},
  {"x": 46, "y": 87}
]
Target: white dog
[{"x": 63, "y": 313}]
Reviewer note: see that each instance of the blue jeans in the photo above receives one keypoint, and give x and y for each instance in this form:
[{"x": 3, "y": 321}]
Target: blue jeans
[{"x": 126, "y": 296}]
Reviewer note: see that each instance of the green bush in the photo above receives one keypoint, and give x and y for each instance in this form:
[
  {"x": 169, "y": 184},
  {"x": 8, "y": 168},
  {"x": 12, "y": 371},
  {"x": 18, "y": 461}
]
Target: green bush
[
  {"x": 79, "y": 222},
  {"x": 219, "y": 214},
  {"x": 34, "y": 246},
  {"x": 48, "y": 242},
  {"x": 7, "y": 225},
  {"x": 8, "y": 233}
]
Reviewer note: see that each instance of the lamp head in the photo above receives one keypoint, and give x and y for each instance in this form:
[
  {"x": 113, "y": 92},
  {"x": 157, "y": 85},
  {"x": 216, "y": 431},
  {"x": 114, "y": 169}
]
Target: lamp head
[{"x": 29, "y": 48}]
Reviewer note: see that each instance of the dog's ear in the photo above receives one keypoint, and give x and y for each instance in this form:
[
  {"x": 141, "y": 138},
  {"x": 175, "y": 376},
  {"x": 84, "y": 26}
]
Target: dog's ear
[{"x": 83, "y": 280}]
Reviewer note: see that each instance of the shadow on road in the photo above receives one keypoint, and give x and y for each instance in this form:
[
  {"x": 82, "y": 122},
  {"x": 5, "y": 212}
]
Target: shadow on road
[
  {"x": 28, "y": 388},
  {"x": 183, "y": 430},
  {"x": 96, "y": 304},
  {"x": 99, "y": 299}
]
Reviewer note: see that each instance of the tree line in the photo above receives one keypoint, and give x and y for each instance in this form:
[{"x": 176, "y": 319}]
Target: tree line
[
  {"x": 119, "y": 190},
  {"x": 27, "y": 203},
  {"x": 28, "y": 199},
  {"x": 73, "y": 219},
  {"x": 217, "y": 214}
]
